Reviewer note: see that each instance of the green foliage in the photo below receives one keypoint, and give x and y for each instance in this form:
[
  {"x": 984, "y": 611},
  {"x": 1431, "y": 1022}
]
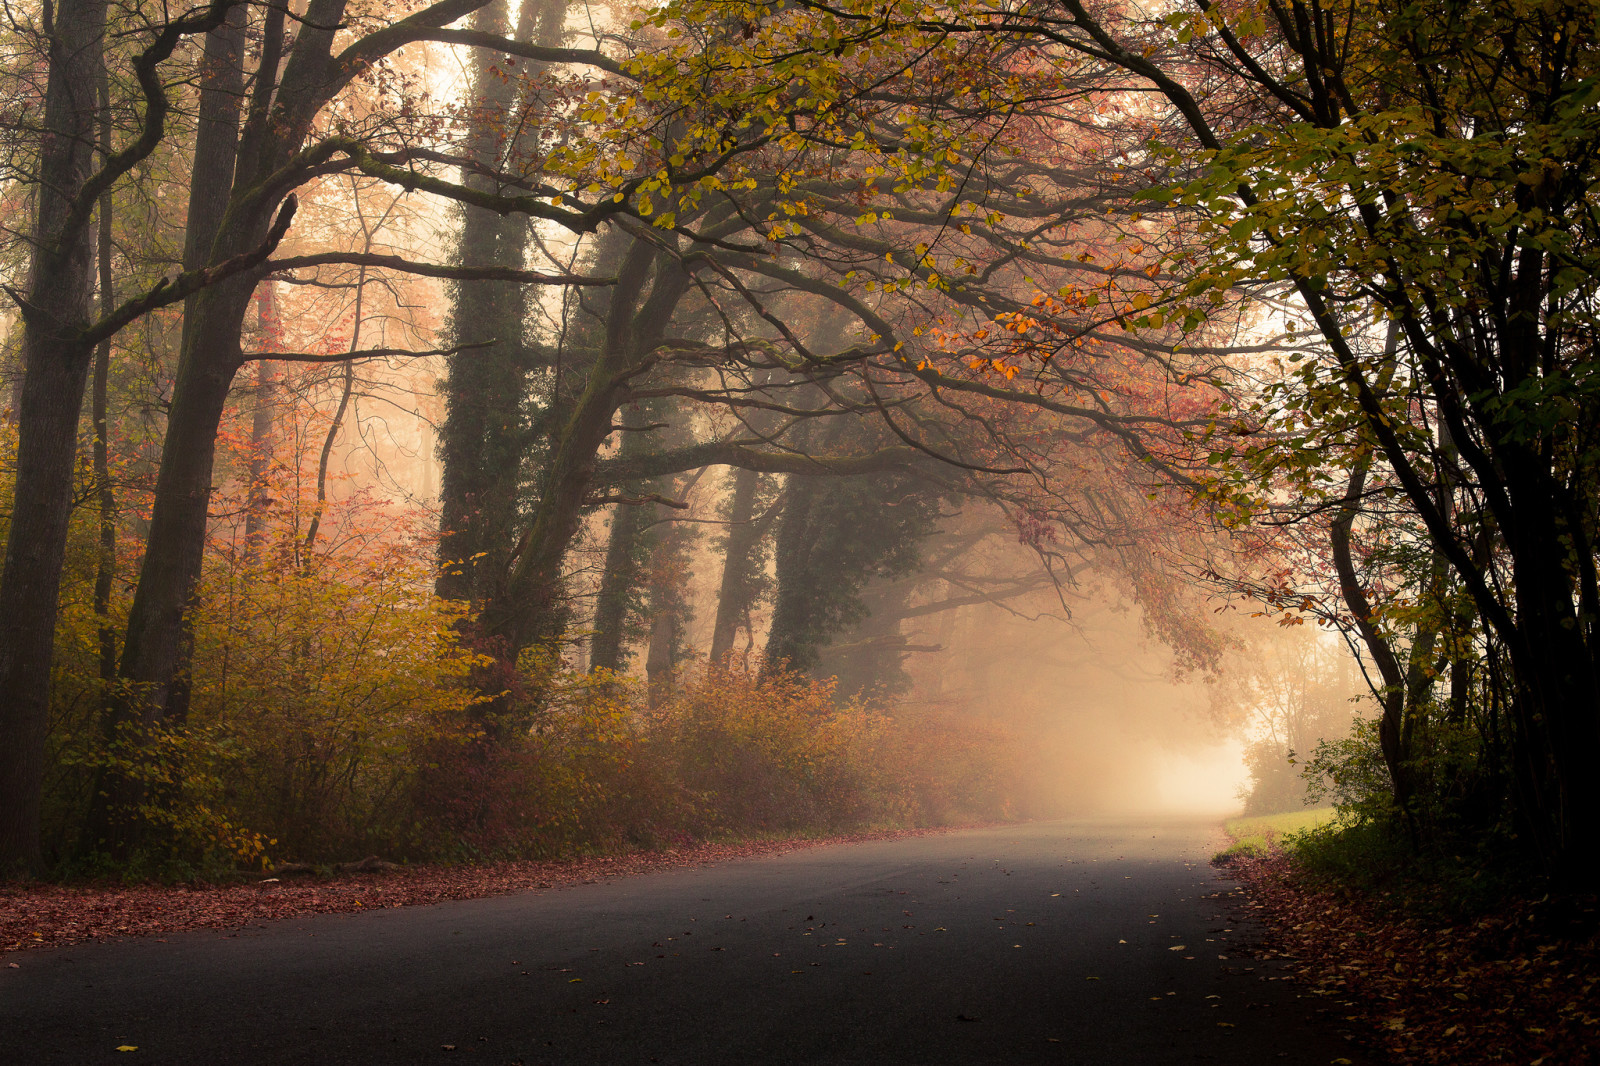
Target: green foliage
[
  {"x": 1453, "y": 850},
  {"x": 1376, "y": 860},
  {"x": 1352, "y": 773},
  {"x": 1255, "y": 835}
]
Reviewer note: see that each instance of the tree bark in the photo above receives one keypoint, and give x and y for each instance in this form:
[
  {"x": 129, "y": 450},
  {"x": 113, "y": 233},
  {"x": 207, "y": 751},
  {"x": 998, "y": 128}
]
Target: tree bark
[
  {"x": 485, "y": 443},
  {"x": 530, "y": 609},
  {"x": 154, "y": 644},
  {"x": 788, "y": 645},
  {"x": 55, "y": 362},
  {"x": 738, "y": 563},
  {"x": 262, "y": 402},
  {"x": 106, "y": 559},
  {"x": 619, "y": 587}
]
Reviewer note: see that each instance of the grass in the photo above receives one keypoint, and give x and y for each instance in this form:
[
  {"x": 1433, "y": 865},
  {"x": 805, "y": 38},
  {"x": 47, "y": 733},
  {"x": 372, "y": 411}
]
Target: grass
[{"x": 1252, "y": 836}]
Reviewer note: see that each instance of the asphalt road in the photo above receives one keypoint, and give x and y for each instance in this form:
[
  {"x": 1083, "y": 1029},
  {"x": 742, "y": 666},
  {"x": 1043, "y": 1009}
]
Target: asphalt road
[{"x": 1084, "y": 943}]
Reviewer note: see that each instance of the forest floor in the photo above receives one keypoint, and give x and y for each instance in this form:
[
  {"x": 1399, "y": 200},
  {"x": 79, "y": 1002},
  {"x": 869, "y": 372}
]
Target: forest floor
[
  {"x": 1518, "y": 984},
  {"x": 41, "y": 914}
]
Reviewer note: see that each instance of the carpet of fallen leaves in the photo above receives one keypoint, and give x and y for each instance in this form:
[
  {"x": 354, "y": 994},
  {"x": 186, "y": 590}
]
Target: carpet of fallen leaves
[
  {"x": 1518, "y": 985},
  {"x": 45, "y": 915}
]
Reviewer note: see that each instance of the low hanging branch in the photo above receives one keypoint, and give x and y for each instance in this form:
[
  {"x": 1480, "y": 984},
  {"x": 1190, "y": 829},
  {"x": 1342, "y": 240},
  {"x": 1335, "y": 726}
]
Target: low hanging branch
[
  {"x": 362, "y": 353},
  {"x": 433, "y": 270},
  {"x": 649, "y": 497},
  {"x": 171, "y": 290}
]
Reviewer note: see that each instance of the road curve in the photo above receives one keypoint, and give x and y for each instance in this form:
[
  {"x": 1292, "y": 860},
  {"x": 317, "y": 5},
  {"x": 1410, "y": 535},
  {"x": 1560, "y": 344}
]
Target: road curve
[{"x": 1095, "y": 943}]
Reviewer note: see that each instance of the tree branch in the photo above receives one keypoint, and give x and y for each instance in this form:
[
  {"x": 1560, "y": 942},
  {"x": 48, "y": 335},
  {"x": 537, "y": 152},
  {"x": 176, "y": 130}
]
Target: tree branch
[{"x": 433, "y": 270}]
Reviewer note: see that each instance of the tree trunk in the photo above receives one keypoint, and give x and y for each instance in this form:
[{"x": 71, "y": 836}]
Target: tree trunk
[
  {"x": 106, "y": 558},
  {"x": 485, "y": 441},
  {"x": 530, "y": 609},
  {"x": 55, "y": 372},
  {"x": 788, "y": 645},
  {"x": 153, "y": 650},
  {"x": 738, "y": 564},
  {"x": 1555, "y": 704},
  {"x": 262, "y": 401},
  {"x": 153, "y": 647},
  {"x": 658, "y": 661},
  {"x": 618, "y": 587}
]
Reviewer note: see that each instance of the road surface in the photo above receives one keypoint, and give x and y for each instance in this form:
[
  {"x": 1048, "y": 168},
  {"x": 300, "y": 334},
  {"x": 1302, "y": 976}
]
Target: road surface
[{"x": 1095, "y": 943}]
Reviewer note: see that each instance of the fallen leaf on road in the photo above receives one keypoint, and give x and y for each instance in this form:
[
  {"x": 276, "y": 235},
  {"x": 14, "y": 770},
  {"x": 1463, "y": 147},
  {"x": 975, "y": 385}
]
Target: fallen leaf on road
[{"x": 127, "y": 1047}]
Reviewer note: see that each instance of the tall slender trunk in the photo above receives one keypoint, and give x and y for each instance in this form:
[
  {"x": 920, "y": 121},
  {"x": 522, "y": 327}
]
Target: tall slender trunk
[
  {"x": 153, "y": 651},
  {"x": 106, "y": 558},
  {"x": 263, "y": 403},
  {"x": 347, "y": 388},
  {"x": 55, "y": 374}
]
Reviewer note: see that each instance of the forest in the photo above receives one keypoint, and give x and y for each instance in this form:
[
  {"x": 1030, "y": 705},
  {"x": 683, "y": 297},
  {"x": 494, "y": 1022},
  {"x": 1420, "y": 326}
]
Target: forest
[{"x": 469, "y": 430}]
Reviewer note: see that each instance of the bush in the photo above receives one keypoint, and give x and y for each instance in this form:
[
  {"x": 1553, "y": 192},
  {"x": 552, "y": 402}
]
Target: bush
[{"x": 723, "y": 756}]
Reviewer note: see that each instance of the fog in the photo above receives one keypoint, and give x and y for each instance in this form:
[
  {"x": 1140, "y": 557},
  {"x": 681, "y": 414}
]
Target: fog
[{"x": 1114, "y": 729}]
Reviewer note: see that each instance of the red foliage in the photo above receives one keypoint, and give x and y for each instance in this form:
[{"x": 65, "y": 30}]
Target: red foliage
[
  {"x": 38, "y": 915},
  {"x": 1515, "y": 986}
]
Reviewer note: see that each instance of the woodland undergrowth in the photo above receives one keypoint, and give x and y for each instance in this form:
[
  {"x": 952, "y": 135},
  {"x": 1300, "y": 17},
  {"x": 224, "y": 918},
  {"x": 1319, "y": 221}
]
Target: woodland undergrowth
[{"x": 335, "y": 708}]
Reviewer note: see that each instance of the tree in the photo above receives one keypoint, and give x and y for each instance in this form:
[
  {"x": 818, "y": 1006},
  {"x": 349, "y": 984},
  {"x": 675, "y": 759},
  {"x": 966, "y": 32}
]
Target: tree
[
  {"x": 58, "y": 343},
  {"x": 486, "y": 442},
  {"x": 270, "y": 143},
  {"x": 1430, "y": 167}
]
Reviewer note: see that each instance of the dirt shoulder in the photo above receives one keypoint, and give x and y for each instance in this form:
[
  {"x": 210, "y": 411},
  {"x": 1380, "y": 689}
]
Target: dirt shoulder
[
  {"x": 40, "y": 915},
  {"x": 1519, "y": 985}
]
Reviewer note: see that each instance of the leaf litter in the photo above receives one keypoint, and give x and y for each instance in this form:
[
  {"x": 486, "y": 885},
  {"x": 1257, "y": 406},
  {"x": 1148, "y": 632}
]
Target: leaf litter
[
  {"x": 37, "y": 914},
  {"x": 1520, "y": 984}
]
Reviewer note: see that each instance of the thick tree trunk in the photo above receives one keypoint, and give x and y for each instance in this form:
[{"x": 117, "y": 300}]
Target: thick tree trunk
[
  {"x": 531, "y": 609},
  {"x": 1555, "y": 706},
  {"x": 485, "y": 442},
  {"x": 738, "y": 564},
  {"x": 788, "y": 643},
  {"x": 667, "y": 590},
  {"x": 659, "y": 661},
  {"x": 619, "y": 587},
  {"x": 55, "y": 373},
  {"x": 620, "y": 582}
]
